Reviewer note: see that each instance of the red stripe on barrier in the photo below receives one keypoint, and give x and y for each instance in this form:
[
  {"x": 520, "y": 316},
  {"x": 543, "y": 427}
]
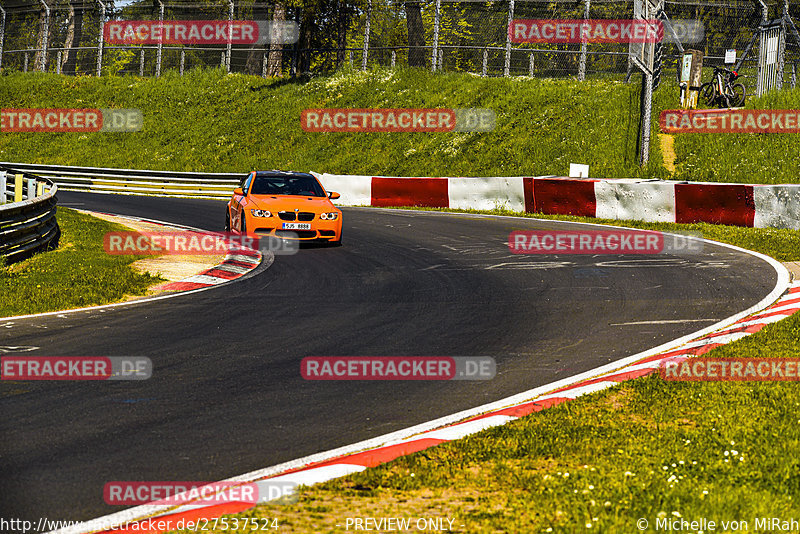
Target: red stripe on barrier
[
  {"x": 220, "y": 273},
  {"x": 564, "y": 197},
  {"x": 527, "y": 188},
  {"x": 427, "y": 192},
  {"x": 715, "y": 203},
  {"x": 524, "y": 409}
]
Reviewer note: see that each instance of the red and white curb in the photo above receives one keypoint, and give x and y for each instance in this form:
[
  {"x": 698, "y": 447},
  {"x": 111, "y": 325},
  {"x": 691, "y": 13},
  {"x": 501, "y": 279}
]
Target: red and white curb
[
  {"x": 238, "y": 262},
  {"x": 783, "y": 301}
]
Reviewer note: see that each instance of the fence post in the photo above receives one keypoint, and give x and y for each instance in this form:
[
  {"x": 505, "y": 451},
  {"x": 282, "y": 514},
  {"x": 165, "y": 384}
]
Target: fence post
[
  {"x": 584, "y": 47},
  {"x": 160, "y": 37},
  {"x": 436, "y": 22},
  {"x": 394, "y": 57},
  {"x": 25, "y": 67},
  {"x": 366, "y": 37},
  {"x": 222, "y": 59},
  {"x": 58, "y": 62},
  {"x": 794, "y": 74},
  {"x": 228, "y": 50},
  {"x": 2, "y": 35},
  {"x": 351, "y": 58},
  {"x": 3, "y": 186},
  {"x": 507, "y": 64},
  {"x": 647, "y": 111},
  {"x": 530, "y": 65},
  {"x": 141, "y": 62},
  {"x": 485, "y": 62},
  {"x": 100, "y": 37},
  {"x": 46, "y": 31}
]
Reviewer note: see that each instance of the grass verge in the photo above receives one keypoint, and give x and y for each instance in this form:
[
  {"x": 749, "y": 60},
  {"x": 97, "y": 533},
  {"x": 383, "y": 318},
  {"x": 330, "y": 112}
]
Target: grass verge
[
  {"x": 646, "y": 449},
  {"x": 78, "y": 273}
]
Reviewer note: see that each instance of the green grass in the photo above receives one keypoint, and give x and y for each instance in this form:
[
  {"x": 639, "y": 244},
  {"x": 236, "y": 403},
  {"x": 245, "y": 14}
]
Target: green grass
[
  {"x": 647, "y": 448},
  {"x": 210, "y": 121},
  {"x": 78, "y": 273}
]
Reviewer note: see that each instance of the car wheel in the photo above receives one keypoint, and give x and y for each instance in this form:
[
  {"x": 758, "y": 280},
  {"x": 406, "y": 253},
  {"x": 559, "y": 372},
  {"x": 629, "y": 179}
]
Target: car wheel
[
  {"x": 227, "y": 220},
  {"x": 243, "y": 226}
]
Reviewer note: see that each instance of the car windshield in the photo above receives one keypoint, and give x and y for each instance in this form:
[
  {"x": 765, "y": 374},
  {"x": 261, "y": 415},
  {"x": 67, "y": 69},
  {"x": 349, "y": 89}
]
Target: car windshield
[{"x": 303, "y": 185}]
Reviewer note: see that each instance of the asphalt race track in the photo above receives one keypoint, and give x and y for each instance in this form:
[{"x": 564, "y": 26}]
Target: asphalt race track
[{"x": 226, "y": 396}]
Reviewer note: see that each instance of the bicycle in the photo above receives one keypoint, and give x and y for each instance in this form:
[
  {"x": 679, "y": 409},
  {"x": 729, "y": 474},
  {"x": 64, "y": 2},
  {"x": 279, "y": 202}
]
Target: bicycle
[{"x": 722, "y": 92}]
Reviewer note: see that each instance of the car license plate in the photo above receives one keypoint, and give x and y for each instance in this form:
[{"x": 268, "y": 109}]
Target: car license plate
[{"x": 297, "y": 226}]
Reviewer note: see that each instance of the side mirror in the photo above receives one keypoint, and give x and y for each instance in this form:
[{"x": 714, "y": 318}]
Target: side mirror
[
  {"x": 333, "y": 195},
  {"x": 238, "y": 191}
]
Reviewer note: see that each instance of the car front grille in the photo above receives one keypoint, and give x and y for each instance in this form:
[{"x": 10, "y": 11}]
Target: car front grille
[
  {"x": 305, "y": 216},
  {"x": 286, "y": 215}
]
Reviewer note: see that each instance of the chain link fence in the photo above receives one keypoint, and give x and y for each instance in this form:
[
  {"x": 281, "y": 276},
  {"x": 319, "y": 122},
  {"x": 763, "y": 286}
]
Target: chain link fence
[{"x": 65, "y": 36}]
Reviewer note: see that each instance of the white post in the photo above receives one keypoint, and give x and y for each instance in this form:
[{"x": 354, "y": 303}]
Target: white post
[
  {"x": 584, "y": 47},
  {"x": 230, "y": 36},
  {"x": 366, "y": 37},
  {"x": 436, "y": 22},
  {"x": 43, "y": 63},
  {"x": 100, "y": 37},
  {"x": 3, "y": 186},
  {"x": 507, "y": 66},
  {"x": 2, "y": 33},
  {"x": 160, "y": 37}
]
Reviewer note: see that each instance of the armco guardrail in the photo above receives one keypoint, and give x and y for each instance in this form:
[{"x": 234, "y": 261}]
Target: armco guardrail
[
  {"x": 137, "y": 182},
  {"x": 27, "y": 214}
]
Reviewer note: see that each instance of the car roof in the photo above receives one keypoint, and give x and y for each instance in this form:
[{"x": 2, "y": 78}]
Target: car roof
[{"x": 276, "y": 173}]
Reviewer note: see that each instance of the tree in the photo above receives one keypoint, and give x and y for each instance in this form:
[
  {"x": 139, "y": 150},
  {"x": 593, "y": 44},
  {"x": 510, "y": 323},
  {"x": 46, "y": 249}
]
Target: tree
[
  {"x": 74, "y": 35},
  {"x": 416, "y": 35}
]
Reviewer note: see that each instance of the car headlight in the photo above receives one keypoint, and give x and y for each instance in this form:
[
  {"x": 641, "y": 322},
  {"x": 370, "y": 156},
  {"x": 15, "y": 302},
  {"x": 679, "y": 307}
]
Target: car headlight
[
  {"x": 260, "y": 213},
  {"x": 332, "y": 216}
]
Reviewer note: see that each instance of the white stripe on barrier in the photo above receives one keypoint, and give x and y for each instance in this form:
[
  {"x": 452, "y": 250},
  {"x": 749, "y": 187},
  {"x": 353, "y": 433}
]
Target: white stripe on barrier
[
  {"x": 486, "y": 193},
  {"x": 777, "y": 206},
  {"x": 644, "y": 201},
  {"x": 355, "y": 190}
]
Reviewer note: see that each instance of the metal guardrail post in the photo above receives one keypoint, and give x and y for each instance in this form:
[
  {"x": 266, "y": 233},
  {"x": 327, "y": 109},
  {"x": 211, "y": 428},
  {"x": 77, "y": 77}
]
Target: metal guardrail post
[
  {"x": 100, "y": 37},
  {"x": 3, "y": 186},
  {"x": 31, "y": 189},
  {"x": 18, "y": 188}
]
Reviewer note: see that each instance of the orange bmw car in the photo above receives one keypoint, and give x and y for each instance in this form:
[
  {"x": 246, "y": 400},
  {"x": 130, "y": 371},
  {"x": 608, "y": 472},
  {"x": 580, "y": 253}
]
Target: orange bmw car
[{"x": 289, "y": 205}]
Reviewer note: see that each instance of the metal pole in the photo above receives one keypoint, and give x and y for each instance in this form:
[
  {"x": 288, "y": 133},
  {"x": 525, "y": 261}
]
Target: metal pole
[
  {"x": 100, "y": 37},
  {"x": 43, "y": 63},
  {"x": 141, "y": 62},
  {"x": 647, "y": 111},
  {"x": 2, "y": 33},
  {"x": 58, "y": 62},
  {"x": 394, "y": 57},
  {"x": 365, "y": 53},
  {"x": 437, "y": 16},
  {"x": 160, "y": 37},
  {"x": 183, "y": 59},
  {"x": 507, "y": 65},
  {"x": 584, "y": 46},
  {"x": 25, "y": 67},
  {"x": 485, "y": 62},
  {"x": 230, "y": 36},
  {"x": 530, "y": 65}
]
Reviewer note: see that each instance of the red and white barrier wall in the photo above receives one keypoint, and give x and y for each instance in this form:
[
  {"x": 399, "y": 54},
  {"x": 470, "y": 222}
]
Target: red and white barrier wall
[{"x": 761, "y": 206}]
